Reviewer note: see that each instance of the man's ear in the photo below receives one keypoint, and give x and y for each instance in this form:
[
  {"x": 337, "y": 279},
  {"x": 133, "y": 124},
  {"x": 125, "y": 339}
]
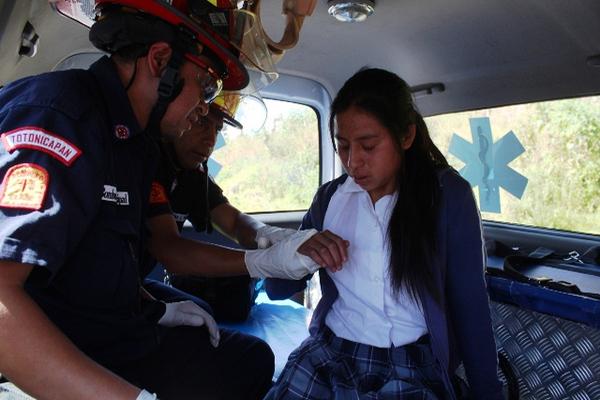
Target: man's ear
[
  {"x": 409, "y": 138},
  {"x": 158, "y": 57}
]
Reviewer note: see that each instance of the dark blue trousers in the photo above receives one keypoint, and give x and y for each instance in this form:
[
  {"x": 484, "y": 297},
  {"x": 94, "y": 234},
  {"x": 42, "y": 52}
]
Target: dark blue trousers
[{"x": 186, "y": 366}]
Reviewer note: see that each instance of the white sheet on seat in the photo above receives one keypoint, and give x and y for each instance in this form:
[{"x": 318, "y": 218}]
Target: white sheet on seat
[{"x": 282, "y": 324}]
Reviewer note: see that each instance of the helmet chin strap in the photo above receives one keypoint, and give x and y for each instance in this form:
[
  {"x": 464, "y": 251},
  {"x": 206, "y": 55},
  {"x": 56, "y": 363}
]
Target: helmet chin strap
[
  {"x": 170, "y": 84},
  {"x": 209, "y": 227},
  {"x": 168, "y": 89}
]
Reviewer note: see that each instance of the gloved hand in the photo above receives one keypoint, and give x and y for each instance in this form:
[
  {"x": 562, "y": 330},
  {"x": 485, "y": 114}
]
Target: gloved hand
[
  {"x": 190, "y": 314},
  {"x": 269, "y": 235},
  {"x": 282, "y": 260},
  {"x": 145, "y": 395}
]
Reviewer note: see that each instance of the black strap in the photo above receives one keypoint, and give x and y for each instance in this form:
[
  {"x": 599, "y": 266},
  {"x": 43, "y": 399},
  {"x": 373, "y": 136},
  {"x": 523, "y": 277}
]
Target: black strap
[
  {"x": 170, "y": 84},
  {"x": 516, "y": 260},
  {"x": 207, "y": 221},
  {"x": 512, "y": 383},
  {"x": 592, "y": 255}
]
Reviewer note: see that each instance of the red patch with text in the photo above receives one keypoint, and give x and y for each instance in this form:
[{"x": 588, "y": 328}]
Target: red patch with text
[
  {"x": 158, "y": 194},
  {"x": 34, "y": 138},
  {"x": 24, "y": 186}
]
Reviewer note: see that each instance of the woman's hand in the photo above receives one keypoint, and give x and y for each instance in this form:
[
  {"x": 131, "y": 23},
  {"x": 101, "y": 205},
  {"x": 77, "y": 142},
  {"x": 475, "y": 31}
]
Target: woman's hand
[{"x": 326, "y": 249}]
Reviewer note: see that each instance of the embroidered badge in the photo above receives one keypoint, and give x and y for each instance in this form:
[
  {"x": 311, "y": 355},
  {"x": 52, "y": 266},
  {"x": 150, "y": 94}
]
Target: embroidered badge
[
  {"x": 31, "y": 137},
  {"x": 158, "y": 194},
  {"x": 24, "y": 186},
  {"x": 112, "y": 195},
  {"x": 121, "y": 131}
]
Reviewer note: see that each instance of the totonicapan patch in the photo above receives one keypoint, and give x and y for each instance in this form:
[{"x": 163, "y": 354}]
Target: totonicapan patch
[
  {"x": 34, "y": 138},
  {"x": 24, "y": 186},
  {"x": 158, "y": 195}
]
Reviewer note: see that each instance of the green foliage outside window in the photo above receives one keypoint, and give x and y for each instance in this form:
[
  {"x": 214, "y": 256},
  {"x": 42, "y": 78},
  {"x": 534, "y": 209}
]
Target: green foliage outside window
[
  {"x": 275, "y": 168},
  {"x": 561, "y": 160}
]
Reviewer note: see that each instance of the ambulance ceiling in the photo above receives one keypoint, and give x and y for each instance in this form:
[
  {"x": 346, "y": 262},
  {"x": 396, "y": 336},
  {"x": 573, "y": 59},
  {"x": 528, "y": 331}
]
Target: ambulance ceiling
[{"x": 485, "y": 53}]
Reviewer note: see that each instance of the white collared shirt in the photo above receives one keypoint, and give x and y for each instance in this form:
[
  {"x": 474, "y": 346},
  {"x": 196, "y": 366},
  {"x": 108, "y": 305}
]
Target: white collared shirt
[{"x": 366, "y": 310}]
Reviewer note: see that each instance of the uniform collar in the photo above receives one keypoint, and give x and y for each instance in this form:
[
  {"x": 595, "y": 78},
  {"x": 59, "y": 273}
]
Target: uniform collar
[
  {"x": 349, "y": 186},
  {"x": 122, "y": 118}
]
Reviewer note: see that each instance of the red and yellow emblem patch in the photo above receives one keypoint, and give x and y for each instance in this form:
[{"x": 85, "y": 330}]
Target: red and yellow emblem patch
[
  {"x": 158, "y": 194},
  {"x": 24, "y": 186}
]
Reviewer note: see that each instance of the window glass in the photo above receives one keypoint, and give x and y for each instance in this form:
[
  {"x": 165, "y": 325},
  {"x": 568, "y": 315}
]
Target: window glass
[
  {"x": 275, "y": 167},
  {"x": 534, "y": 164}
]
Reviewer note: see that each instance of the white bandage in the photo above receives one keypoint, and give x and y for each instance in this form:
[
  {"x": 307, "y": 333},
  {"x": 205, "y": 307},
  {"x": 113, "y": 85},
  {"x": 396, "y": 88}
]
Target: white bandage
[
  {"x": 282, "y": 260},
  {"x": 268, "y": 235},
  {"x": 190, "y": 314}
]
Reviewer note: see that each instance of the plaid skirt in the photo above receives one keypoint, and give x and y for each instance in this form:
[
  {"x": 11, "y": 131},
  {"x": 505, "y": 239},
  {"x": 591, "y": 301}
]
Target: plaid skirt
[{"x": 328, "y": 367}]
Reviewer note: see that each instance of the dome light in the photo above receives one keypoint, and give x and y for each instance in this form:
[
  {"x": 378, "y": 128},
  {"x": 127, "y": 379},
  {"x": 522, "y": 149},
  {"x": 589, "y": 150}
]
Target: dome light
[{"x": 351, "y": 10}]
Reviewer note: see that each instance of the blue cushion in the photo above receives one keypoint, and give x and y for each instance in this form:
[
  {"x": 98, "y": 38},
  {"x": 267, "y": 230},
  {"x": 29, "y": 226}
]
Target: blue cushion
[{"x": 283, "y": 324}]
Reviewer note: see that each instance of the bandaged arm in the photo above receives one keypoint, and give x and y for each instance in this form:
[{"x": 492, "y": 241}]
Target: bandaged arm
[{"x": 189, "y": 257}]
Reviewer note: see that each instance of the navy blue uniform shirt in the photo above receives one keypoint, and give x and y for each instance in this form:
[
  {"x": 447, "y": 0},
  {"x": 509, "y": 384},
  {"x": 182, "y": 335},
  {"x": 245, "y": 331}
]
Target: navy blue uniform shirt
[
  {"x": 184, "y": 194},
  {"x": 190, "y": 196},
  {"x": 76, "y": 170}
]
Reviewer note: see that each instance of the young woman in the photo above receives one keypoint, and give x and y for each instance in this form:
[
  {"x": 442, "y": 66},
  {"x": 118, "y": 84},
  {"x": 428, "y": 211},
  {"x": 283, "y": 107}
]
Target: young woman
[{"x": 410, "y": 303}]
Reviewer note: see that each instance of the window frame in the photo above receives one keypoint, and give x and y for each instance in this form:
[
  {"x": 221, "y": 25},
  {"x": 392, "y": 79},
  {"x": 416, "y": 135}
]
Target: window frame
[
  {"x": 530, "y": 236},
  {"x": 313, "y": 94}
]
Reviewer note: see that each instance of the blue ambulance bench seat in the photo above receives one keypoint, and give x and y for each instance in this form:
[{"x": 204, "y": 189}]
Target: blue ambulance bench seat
[{"x": 283, "y": 324}]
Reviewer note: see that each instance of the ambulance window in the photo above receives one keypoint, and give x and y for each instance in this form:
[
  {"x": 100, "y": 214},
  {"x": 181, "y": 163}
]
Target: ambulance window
[
  {"x": 534, "y": 164},
  {"x": 274, "y": 167}
]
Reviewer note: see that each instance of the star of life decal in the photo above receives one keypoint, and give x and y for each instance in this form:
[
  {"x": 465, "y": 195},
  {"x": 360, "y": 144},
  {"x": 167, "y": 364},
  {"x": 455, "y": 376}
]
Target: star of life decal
[{"x": 486, "y": 163}]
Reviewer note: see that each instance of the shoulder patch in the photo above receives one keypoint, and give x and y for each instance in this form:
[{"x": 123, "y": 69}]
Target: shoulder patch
[
  {"x": 24, "y": 186},
  {"x": 158, "y": 195},
  {"x": 34, "y": 138}
]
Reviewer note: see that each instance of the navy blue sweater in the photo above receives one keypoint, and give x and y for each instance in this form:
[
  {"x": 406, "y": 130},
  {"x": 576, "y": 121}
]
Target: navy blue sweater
[{"x": 460, "y": 326}]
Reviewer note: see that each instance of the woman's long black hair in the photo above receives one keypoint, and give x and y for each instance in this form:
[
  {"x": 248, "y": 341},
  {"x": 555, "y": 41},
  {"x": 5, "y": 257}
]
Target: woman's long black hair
[{"x": 413, "y": 223}]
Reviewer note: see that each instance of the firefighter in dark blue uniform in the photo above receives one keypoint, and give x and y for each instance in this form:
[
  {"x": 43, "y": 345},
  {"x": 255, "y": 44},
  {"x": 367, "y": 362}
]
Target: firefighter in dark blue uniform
[
  {"x": 78, "y": 155},
  {"x": 193, "y": 196}
]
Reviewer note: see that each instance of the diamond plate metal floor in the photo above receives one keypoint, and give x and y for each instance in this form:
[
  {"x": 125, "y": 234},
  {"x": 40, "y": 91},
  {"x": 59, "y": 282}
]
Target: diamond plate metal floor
[{"x": 552, "y": 358}]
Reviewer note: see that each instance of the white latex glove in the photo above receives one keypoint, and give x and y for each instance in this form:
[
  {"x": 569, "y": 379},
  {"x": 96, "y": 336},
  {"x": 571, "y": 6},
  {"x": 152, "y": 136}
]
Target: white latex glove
[
  {"x": 145, "y": 395},
  {"x": 190, "y": 314},
  {"x": 269, "y": 235},
  {"x": 282, "y": 260}
]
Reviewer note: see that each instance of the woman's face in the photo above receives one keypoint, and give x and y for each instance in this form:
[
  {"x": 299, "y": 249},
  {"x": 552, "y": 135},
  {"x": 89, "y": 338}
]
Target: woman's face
[
  {"x": 194, "y": 146},
  {"x": 368, "y": 152}
]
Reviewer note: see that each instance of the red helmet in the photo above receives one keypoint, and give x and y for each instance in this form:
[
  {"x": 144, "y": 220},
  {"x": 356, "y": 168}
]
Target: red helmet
[{"x": 116, "y": 24}]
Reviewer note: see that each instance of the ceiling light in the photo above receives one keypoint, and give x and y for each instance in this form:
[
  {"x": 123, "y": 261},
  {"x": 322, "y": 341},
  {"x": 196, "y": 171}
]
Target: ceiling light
[{"x": 351, "y": 10}]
